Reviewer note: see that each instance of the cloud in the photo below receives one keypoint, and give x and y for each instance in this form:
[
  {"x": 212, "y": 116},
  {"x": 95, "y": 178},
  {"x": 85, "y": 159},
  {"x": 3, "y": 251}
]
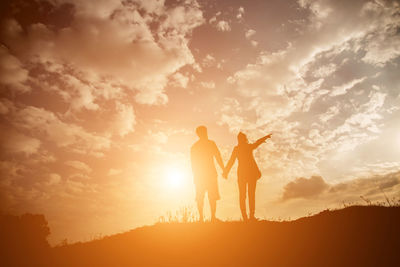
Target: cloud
[
  {"x": 75, "y": 187},
  {"x": 15, "y": 142},
  {"x": 10, "y": 169},
  {"x": 180, "y": 80},
  {"x": 304, "y": 85},
  {"x": 324, "y": 70},
  {"x": 12, "y": 73},
  {"x": 366, "y": 119},
  {"x": 209, "y": 85},
  {"x": 304, "y": 188},
  {"x": 157, "y": 137},
  {"x": 79, "y": 165},
  {"x": 5, "y": 106},
  {"x": 80, "y": 94},
  {"x": 240, "y": 13},
  {"x": 62, "y": 134},
  {"x": 327, "y": 31},
  {"x": 389, "y": 183},
  {"x": 329, "y": 114},
  {"x": 371, "y": 187},
  {"x": 384, "y": 45},
  {"x": 223, "y": 26},
  {"x": 127, "y": 50},
  {"x": 249, "y": 33},
  {"x": 54, "y": 178},
  {"x": 342, "y": 89},
  {"x": 208, "y": 61},
  {"x": 79, "y": 176},
  {"x": 125, "y": 119}
]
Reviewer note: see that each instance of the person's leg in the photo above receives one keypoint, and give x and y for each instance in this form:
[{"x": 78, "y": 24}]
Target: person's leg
[
  {"x": 242, "y": 198},
  {"x": 213, "y": 207},
  {"x": 252, "y": 197},
  {"x": 213, "y": 196},
  {"x": 200, "y": 201}
]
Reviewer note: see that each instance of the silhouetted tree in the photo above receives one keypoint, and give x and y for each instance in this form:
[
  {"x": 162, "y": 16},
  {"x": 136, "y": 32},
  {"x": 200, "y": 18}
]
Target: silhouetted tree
[{"x": 23, "y": 240}]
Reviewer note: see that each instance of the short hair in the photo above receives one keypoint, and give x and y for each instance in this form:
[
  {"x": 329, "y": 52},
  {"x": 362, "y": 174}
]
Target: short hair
[
  {"x": 201, "y": 131},
  {"x": 242, "y": 138}
]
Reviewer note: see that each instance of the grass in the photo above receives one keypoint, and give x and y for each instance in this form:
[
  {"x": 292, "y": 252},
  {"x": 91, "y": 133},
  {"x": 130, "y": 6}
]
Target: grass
[
  {"x": 184, "y": 214},
  {"x": 188, "y": 214}
]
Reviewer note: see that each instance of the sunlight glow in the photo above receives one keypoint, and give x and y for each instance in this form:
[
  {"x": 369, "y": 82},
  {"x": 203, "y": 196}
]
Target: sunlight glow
[{"x": 174, "y": 178}]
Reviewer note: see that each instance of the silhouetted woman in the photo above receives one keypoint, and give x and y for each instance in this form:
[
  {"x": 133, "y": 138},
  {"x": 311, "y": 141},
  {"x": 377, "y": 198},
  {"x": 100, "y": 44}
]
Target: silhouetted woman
[{"x": 248, "y": 172}]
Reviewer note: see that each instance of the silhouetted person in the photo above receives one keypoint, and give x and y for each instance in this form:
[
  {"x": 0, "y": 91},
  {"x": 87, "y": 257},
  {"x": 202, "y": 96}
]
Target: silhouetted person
[
  {"x": 202, "y": 156},
  {"x": 248, "y": 172}
]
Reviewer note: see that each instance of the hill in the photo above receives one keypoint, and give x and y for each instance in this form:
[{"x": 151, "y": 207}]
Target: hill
[{"x": 353, "y": 236}]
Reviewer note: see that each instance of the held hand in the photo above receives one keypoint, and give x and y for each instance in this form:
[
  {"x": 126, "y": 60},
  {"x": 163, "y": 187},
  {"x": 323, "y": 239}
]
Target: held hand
[{"x": 225, "y": 175}]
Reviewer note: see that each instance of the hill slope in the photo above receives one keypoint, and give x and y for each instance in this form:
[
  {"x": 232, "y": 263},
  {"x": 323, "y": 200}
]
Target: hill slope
[{"x": 354, "y": 236}]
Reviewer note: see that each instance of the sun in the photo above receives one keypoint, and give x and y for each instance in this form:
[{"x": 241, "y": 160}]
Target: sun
[{"x": 174, "y": 178}]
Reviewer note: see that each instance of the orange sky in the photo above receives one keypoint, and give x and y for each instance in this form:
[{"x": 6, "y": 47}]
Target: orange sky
[{"x": 100, "y": 99}]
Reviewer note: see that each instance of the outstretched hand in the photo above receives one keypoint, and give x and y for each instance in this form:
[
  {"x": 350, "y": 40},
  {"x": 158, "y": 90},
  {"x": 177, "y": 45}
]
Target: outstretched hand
[{"x": 263, "y": 139}]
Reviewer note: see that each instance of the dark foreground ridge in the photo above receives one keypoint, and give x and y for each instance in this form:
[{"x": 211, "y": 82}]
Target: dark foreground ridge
[{"x": 353, "y": 236}]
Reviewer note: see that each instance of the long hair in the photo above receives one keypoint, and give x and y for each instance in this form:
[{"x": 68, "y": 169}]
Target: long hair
[{"x": 242, "y": 139}]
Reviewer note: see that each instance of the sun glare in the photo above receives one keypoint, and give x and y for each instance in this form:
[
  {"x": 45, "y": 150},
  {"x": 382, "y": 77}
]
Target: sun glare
[{"x": 174, "y": 178}]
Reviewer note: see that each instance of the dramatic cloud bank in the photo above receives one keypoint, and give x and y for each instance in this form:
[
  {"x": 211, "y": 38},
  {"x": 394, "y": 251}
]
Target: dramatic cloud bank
[{"x": 99, "y": 101}]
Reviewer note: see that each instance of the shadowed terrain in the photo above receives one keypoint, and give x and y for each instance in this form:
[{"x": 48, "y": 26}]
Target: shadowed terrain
[{"x": 353, "y": 236}]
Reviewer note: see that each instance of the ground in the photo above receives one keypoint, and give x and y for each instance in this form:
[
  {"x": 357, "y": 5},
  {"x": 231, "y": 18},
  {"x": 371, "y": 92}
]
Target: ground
[{"x": 354, "y": 236}]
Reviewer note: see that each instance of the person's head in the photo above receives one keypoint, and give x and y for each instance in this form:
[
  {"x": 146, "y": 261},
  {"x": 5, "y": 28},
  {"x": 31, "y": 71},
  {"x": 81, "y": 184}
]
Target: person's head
[
  {"x": 201, "y": 132},
  {"x": 242, "y": 138}
]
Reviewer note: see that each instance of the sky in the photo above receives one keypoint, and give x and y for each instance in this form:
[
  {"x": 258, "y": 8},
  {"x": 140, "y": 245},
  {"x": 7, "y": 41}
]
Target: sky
[{"x": 99, "y": 101}]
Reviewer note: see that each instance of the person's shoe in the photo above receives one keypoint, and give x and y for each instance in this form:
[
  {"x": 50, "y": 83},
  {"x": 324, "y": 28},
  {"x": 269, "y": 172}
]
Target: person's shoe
[
  {"x": 245, "y": 219},
  {"x": 253, "y": 219}
]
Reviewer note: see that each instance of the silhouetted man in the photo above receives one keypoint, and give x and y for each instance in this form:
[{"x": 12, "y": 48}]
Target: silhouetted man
[{"x": 202, "y": 156}]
